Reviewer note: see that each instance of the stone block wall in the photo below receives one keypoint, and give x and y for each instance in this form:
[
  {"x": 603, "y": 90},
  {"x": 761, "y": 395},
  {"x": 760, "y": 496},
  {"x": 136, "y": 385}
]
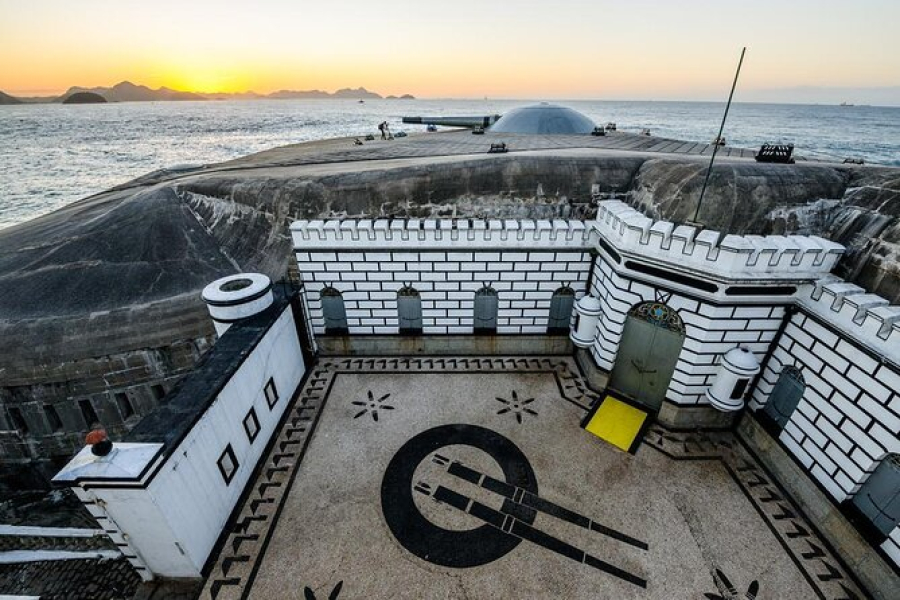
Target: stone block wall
[{"x": 138, "y": 354}]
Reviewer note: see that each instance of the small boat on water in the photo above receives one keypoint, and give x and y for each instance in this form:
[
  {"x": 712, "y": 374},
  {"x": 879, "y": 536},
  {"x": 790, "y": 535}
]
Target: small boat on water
[
  {"x": 719, "y": 141},
  {"x": 846, "y": 104}
]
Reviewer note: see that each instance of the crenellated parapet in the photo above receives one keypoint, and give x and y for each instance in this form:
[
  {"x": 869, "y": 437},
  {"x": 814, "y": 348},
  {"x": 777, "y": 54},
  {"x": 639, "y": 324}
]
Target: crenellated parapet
[
  {"x": 685, "y": 247},
  {"x": 431, "y": 233},
  {"x": 868, "y": 318}
]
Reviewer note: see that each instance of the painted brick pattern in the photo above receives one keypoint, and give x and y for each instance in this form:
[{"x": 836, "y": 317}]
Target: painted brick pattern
[
  {"x": 525, "y": 279},
  {"x": 711, "y": 329},
  {"x": 849, "y": 417}
]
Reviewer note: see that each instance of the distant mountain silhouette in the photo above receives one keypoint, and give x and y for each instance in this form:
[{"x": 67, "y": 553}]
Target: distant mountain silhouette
[
  {"x": 7, "y": 99},
  {"x": 84, "y": 98},
  {"x": 357, "y": 93},
  {"x": 130, "y": 92},
  {"x": 289, "y": 94}
]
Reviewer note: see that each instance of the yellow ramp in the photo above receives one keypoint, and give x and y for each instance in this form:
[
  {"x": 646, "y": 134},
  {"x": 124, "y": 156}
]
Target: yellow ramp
[{"x": 617, "y": 423}]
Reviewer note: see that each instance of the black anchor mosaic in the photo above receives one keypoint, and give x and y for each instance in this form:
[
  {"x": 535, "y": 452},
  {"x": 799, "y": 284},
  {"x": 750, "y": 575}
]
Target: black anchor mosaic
[{"x": 235, "y": 562}]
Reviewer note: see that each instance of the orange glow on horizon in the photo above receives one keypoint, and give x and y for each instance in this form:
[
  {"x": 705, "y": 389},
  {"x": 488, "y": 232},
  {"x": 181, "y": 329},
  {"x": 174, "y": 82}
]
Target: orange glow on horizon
[{"x": 648, "y": 49}]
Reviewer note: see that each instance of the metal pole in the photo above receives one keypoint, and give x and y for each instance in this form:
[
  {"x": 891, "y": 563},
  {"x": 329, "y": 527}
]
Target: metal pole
[{"x": 718, "y": 137}]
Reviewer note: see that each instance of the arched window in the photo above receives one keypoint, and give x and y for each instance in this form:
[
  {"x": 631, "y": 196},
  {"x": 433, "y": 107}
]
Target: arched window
[
  {"x": 878, "y": 499},
  {"x": 785, "y": 397},
  {"x": 333, "y": 311},
  {"x": 486, "y": 304},
  {"x": 409, "y": 310},
  {"x": 561, "y": 310}
]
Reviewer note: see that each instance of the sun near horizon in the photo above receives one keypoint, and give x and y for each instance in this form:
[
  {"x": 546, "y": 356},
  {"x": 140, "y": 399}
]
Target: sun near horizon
[{"x": 648, "y": 49}]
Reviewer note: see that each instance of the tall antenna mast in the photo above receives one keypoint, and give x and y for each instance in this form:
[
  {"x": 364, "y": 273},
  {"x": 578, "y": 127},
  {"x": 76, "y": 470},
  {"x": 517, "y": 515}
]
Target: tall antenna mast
[{"x": 719, "y": 137}]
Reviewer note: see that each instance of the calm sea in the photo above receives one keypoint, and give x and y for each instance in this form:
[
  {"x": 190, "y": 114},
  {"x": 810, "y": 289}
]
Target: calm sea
[{"x": 51, "y": 155}]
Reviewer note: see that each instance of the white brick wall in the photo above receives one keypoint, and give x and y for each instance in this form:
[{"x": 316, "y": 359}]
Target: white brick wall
[
  {"x": 446, "y": 280},
  {"x": 711, "y": 329},
  {"x": 849, "y": 417}
]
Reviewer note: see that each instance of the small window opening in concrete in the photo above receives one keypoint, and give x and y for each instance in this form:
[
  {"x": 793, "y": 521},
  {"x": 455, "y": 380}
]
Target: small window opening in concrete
[
  {"x": 158, "y": 391},
  {"x": 18, "y": 419},
  {"x": 124, "y": 405},
  {"x": 88, "y": 413},
  {"x": 52, "y": 417}
]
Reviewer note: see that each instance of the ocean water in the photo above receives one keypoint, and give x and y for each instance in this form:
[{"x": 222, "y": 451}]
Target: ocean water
[{"x": 51, "y": 154}]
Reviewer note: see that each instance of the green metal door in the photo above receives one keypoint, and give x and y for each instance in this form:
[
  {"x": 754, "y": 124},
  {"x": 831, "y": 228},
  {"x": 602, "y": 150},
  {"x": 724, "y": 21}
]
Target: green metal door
[{"x": 648, "y": 353}]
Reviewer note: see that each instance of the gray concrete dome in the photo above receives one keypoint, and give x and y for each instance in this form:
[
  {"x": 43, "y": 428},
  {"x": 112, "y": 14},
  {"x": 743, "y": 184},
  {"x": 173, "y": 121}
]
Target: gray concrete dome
[{"x": 543, "y": 118}]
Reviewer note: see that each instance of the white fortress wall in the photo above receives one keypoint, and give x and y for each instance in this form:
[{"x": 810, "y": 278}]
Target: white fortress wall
[
  {"x": 446, "y": 261},
  {"x": 191, "y": 473},
  {"x": 733, "y": 257},
  {"x": 167, "y": 512},
  {"x": 846, "y": 344},
  {"x": 711, "y": 329},
  {"x": 729, "y": 290}
]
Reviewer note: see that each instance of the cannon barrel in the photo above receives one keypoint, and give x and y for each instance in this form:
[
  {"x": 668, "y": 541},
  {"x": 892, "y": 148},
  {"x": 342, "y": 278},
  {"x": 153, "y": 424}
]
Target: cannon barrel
[{"x": 485, "y": 121}]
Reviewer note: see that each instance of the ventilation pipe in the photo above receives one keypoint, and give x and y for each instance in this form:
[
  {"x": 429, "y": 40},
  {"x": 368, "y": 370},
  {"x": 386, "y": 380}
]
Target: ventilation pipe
[{"x": 237, "y": 297}]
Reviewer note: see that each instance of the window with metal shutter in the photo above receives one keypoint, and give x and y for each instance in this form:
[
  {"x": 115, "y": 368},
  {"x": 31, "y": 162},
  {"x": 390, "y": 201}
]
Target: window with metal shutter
[
  {"x": 333, "y": 311},
  {"x": 486, "y": 305},
  {"x": 878, "y": 499},
  {"x": 561, "y": 305},
  {"x": 409, "y": 310},
  {"x": 785, "y": 396}
]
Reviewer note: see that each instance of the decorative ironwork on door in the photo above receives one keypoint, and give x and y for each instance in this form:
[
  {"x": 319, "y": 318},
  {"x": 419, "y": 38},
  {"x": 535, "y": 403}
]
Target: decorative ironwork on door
[{"x": 659, "y": 314}]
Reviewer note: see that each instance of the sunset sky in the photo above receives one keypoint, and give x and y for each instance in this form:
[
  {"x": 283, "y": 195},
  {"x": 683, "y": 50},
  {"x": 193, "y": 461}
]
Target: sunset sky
[{"x": 636, "y": 49}]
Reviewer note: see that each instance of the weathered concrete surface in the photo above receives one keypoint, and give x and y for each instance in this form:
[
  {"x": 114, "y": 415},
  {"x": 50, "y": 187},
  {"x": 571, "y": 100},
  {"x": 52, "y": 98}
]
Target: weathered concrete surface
[
  {"x": 102, "y": 297},
  {"x": 740, "y": 193}
]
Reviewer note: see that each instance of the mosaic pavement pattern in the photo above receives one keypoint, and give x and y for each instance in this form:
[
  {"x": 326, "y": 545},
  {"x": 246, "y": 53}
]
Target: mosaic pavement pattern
[{"x": 311, "y": 524}]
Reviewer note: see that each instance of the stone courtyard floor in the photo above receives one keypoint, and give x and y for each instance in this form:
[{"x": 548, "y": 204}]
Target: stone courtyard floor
[{"x": 471, "y": 478}]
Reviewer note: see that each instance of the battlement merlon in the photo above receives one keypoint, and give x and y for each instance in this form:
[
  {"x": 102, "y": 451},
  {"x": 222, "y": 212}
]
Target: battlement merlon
[
  {"x": 794, "y": 257},
  {"x": 436, "y": 233},
  {"x": 866, "y": 318}
]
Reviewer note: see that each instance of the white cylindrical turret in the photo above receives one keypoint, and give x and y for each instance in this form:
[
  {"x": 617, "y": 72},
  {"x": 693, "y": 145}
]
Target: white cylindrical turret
[
  {"x": 237, "y": 297},
  {"x": 736, "y": 368},
  {"x": 587, "y": 314}
]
